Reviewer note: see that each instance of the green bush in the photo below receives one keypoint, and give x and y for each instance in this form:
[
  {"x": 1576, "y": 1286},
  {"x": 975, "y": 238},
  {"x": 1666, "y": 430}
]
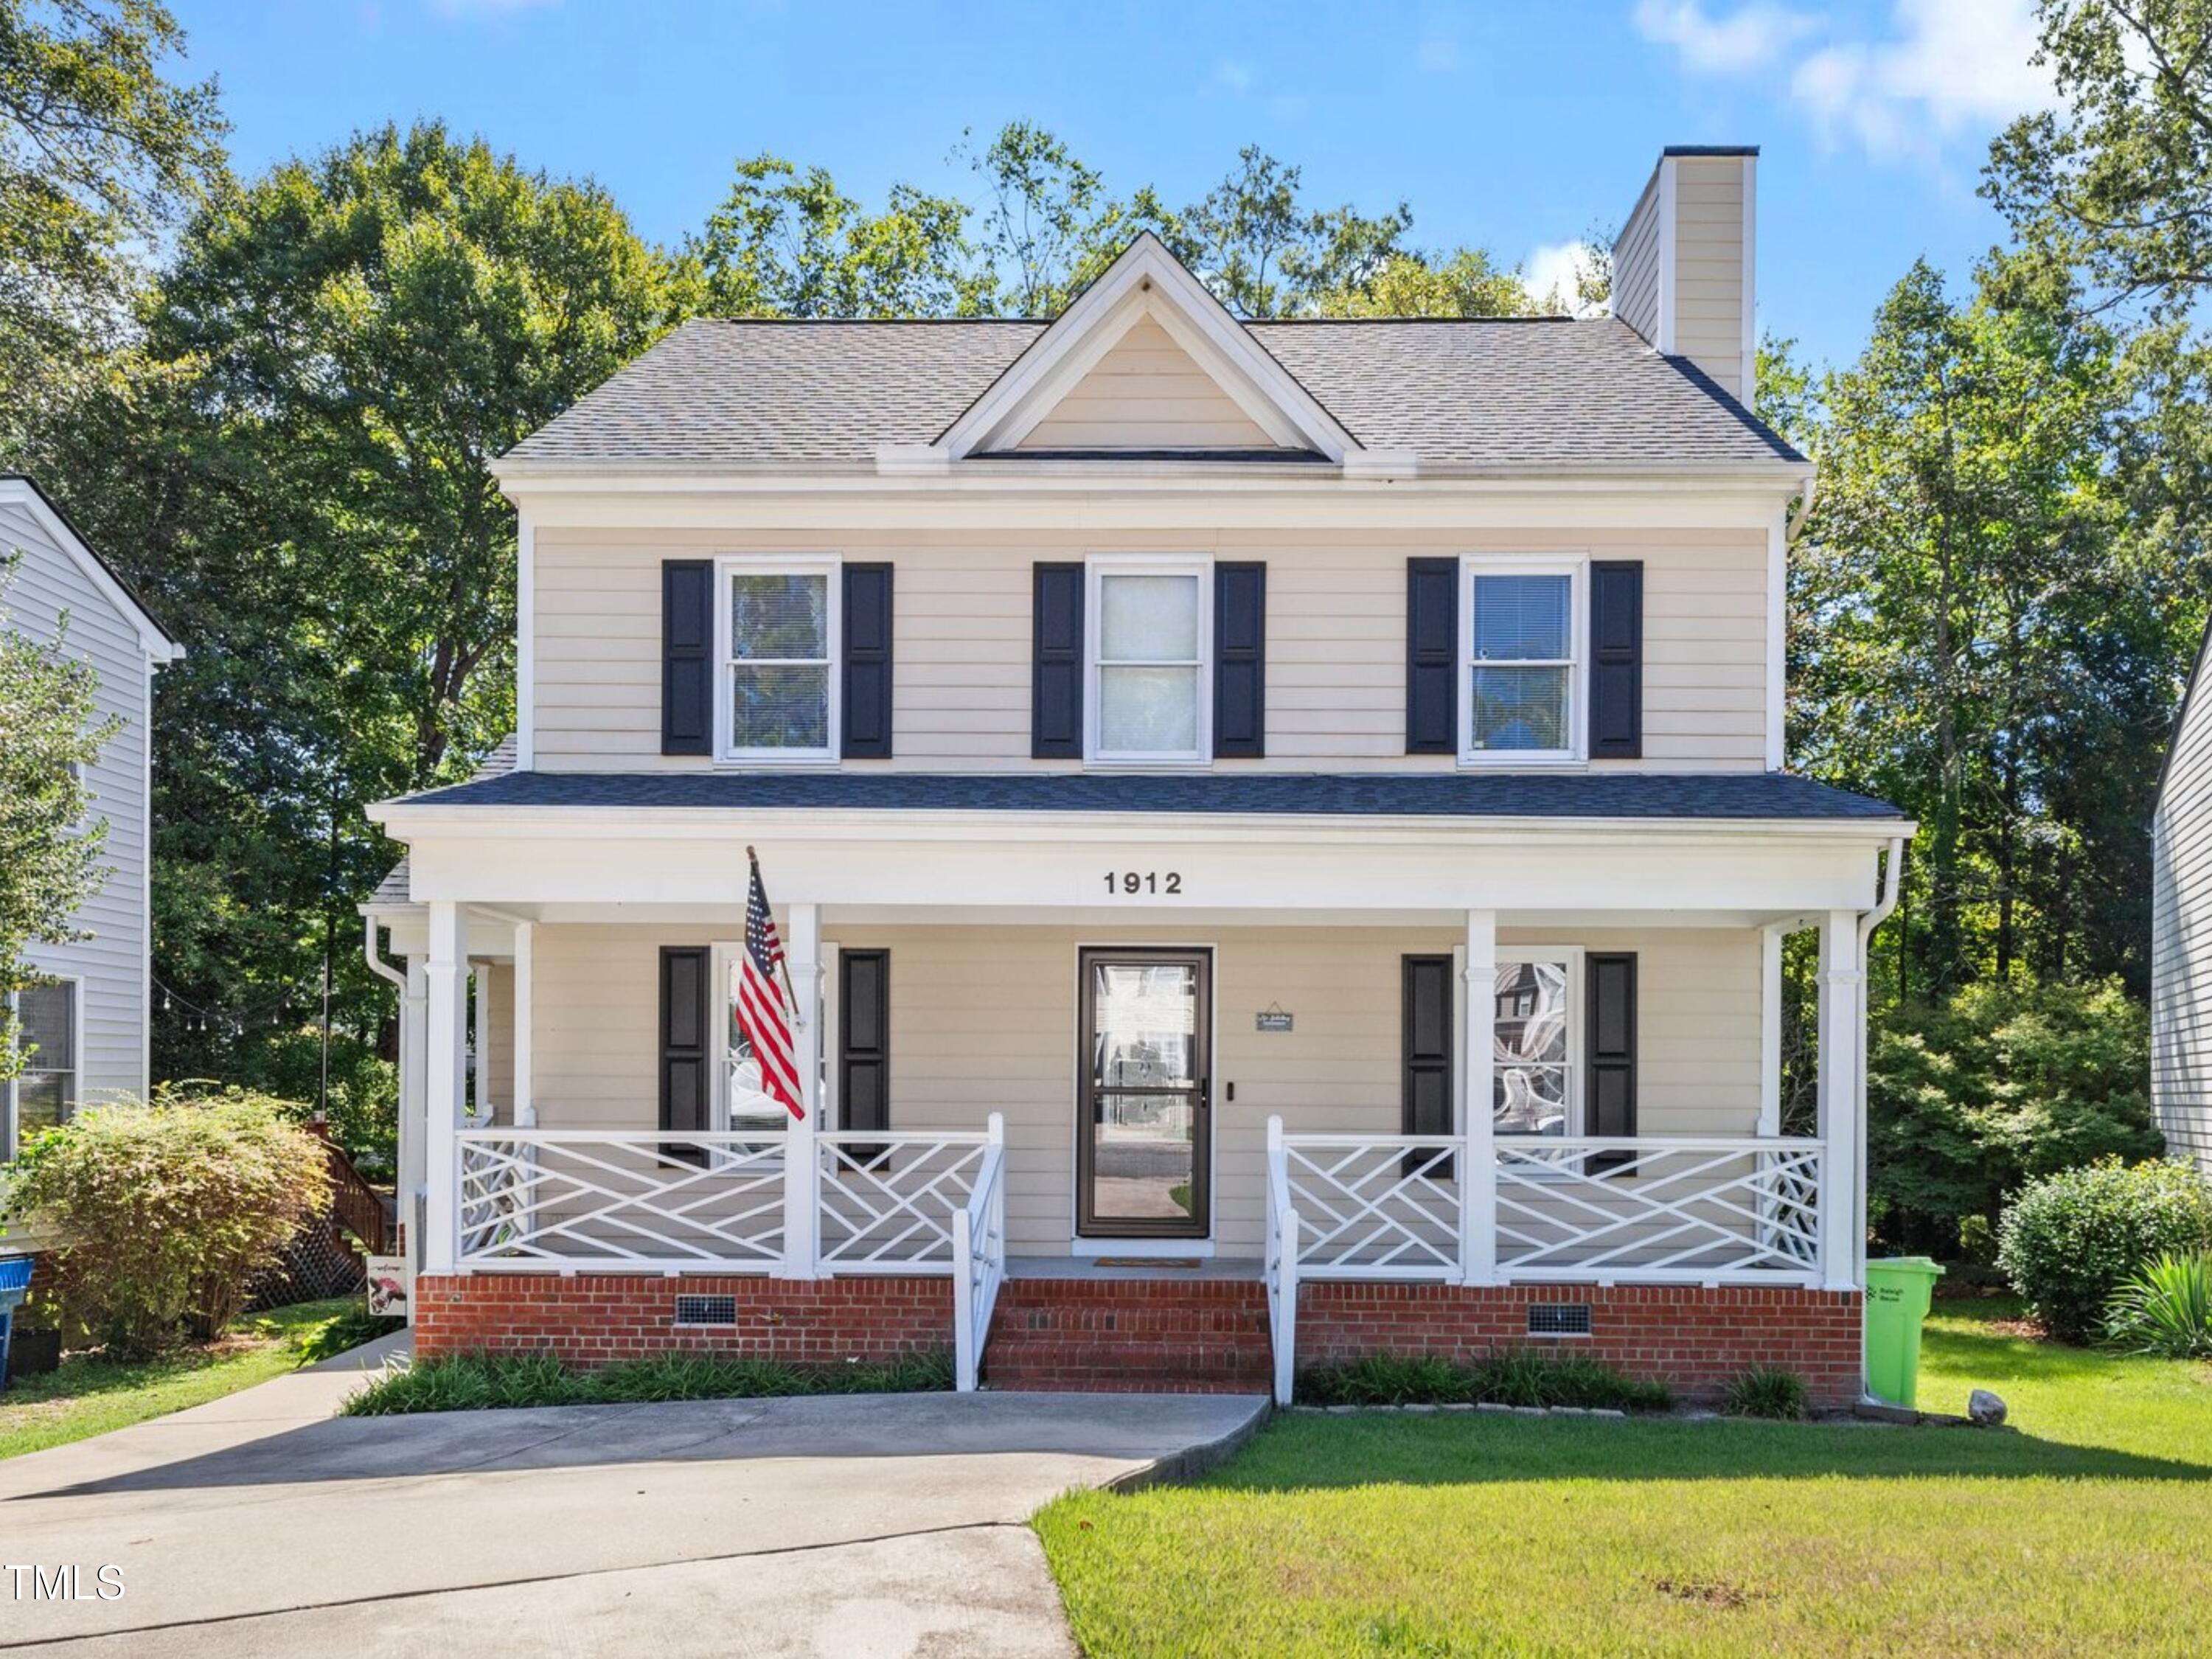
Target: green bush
[
  {"x": 1765, "y": 1391},
  {"x": 162, "y": 1211},
  {"x": 2070, "y": 1240},
  {"x": 1968, "y": 1098},
  {"x": 2166, "y": 1309},
  {"x": 483, "y": 1382},
  {"x": 1510, "y": 1377}
]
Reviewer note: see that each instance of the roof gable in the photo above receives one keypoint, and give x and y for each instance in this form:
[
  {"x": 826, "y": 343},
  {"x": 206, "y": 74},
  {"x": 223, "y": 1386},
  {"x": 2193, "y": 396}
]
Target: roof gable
[
  {"x": 1146, "y": 295},
  {"x": 24, "y": 493}
]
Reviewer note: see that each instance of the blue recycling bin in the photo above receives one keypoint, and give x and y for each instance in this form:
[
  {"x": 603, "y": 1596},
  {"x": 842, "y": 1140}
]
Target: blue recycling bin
[{"x": 15, "y": 1285}]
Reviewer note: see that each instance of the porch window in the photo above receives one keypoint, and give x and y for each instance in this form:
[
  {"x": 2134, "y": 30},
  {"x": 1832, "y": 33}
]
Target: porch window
[
  {"x": 747, "y": 1107},
  {"x": 1534, "y": 1087},
  {"x": 779, "y": 663},
  {"x": 46, "y": 1088},
  {"x": 1522, "y": 695},
  {"x": 1149, "y": 631}
]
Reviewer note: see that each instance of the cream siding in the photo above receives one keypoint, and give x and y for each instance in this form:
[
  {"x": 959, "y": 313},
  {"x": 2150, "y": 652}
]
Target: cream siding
[
  {"x": 1336, "y": 639},
  {"x": 1146, "y": 393},
  {"x": 2181, "y": 939},
  {"x": 112, "y": 964},
  {"x": 983, "y": 1019},
  {"x": 1636, "y": 265},
  {"x": 495, "y": 1030},
  {"x": 1709, "y": 265}
]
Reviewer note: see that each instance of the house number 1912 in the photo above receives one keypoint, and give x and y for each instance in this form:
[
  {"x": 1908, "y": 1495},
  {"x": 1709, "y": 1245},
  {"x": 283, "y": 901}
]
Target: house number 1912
[{"x": 1144, "y": 881}]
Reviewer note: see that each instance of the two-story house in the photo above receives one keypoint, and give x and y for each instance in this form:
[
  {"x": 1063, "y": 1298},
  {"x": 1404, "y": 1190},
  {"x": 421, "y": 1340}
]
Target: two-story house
[
  {"x": 84, "y": 1026},
  {"x": 1277, "y": 827}
]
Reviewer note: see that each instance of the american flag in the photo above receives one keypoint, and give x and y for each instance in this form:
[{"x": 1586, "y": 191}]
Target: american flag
[{"x": 761, "y": 1003}]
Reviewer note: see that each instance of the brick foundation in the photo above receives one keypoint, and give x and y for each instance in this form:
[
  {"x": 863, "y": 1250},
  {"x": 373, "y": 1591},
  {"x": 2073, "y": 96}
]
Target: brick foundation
[
  {"x": 1696, "y": 1339},
  {"x": 592, "y": 1318}
]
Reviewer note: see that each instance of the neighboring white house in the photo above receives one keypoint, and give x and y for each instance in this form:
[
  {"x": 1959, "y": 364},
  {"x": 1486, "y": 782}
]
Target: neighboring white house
[
  {"x": 89, "y": 1026},
  {"x": 2181, "y": 930},
  {"x": 1277, "y": 827}
]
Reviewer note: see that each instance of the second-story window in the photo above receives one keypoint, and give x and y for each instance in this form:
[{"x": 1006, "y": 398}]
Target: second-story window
[
  {"x": 780, "y": 628},
  {"x": 1151, "y": 626},
  {"x": 1523, "y": 694}
]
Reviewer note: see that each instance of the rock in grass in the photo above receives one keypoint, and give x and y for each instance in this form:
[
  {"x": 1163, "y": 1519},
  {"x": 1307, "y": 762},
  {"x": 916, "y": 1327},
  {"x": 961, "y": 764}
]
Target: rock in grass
[{"x": 1985, "y": 1408}]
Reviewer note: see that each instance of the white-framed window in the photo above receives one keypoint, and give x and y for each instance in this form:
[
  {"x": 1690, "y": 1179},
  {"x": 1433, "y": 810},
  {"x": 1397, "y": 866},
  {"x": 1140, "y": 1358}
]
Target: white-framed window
[
  {"x": 1149, "y": 659},
  {"x": 741, "y": 1105},
  {"x": 50, "y": 1031},
  {"x": 777, "y": 635},
  {"x": 1521, "y": 672},
  {"x": 1537, "y": 1083}
]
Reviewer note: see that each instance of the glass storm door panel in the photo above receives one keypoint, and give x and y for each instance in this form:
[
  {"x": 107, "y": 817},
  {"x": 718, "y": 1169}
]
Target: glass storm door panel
[{"x": 1143, "y": 1138}]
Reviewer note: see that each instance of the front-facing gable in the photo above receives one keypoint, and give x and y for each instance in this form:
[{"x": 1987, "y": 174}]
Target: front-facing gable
[{"x": 1145, "y": 361}]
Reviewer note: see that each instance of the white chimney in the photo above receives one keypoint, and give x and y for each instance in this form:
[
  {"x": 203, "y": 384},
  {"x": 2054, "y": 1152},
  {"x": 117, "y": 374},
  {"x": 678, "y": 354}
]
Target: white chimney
[{"x": 1683, "y": 269}]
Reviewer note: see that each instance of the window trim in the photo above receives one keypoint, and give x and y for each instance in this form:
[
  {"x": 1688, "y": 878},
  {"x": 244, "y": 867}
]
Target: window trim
[
  {"x": 723, "y": 957},
  {"x": 1575, "y": 567},
  {"x": 73, "y": 1098},
  {"x": 1096, "y": 568},
  {"x": 827, "y": 566},
  {"x": 1571, "y": 958}
]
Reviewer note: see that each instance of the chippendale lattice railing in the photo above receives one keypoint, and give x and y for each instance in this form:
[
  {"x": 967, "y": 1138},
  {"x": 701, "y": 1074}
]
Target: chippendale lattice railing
[
  {"x": 887, "y": 1201},
  {"x": 641, "y": 1198},
  {"x": 1678, "y": 1209},
  {"x": 1373, "y": 1206}
]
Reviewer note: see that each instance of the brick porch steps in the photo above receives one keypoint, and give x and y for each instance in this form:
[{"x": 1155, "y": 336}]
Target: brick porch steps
[{"x": 1115, "y": 1335}]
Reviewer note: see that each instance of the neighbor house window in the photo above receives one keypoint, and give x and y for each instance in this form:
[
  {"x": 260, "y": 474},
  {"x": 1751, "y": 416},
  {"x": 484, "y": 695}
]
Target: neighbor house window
[
  {"x": 1535, "y": 1031},
  {"x": 1150, "y": 626},
  {"x": 778, "y": 665},
  {"x": 46, "y": 1086},
  {"x": 1523, "y": 692}
]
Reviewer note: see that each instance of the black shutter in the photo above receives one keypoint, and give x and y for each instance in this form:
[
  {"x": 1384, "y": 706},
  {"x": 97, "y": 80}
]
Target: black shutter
[
  {"x": 686, "y": 1088},
  {"x": 867, "y": 690},
  {"x": 687, "y": 647},
  {"x": 1431, "y": 655},
  {"x": 1426, "y": 1005},
  {"x": 1240, "y": 661},
  {"x": 1056, "y": 667},
  {"x": 1616, "y": 644},
  {"x": 1610, "y": 1022},
  {"x": 864, "y": 1042}
]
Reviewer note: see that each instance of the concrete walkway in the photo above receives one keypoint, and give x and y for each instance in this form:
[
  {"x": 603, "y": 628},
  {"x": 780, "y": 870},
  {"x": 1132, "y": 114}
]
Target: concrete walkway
[{"x": 881, "y": 1525}]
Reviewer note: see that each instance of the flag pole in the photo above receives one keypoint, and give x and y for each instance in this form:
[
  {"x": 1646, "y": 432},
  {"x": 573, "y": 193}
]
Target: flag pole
[{"x": 798, "y": 1013}]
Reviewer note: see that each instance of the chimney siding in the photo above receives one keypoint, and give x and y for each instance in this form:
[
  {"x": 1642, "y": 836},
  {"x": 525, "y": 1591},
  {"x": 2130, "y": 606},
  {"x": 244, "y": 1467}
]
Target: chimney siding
[{"x": 1683, "y": 267}]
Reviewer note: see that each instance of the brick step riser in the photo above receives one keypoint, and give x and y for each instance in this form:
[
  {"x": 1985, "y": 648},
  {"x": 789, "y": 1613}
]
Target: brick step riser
[{"x": 1129, "y": 1336}]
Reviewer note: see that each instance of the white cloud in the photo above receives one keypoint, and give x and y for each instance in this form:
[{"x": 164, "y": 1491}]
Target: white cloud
[
  {"x": 1552, "y": 269},
  {"x": 1238, "y": 77},
  {"x": 1750, "y": 39}
]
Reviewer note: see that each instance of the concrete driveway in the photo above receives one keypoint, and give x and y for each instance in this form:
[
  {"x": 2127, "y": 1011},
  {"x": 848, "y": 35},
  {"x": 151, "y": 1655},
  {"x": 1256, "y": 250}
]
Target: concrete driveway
[{"x": 870, "y": 1526}]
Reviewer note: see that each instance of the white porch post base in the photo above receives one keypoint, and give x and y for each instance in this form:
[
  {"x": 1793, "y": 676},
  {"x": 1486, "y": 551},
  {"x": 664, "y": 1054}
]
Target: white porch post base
[
  {"x": 1842, "y": 1013},
  {"x": 802, "y": 1170},
  {"x": 446, "y": 1024},
  {"x": 1477, "y": 1172}
]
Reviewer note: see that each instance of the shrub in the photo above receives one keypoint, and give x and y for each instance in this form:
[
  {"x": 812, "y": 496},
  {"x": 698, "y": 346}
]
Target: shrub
[
  {"x": 1512, "y": 1377},
  {"x": 2166, "y": 1309},
  {"x": 482, "y": 1382},
  {"x": 163, "y": 1210},
  {"x": 1765, "y": 1391},
  {"x": 2070, "y": 1240}
]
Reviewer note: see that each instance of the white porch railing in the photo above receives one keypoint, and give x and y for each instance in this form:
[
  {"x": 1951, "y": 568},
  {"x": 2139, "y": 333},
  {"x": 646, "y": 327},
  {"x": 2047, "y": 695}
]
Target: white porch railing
[
  {"x": 979, "y": 1258},
  {"x": 1281, "y": 1245},
  {"x": 888, "y": 1202},
  {"x": 1372, "y": 1206},
  {"x": 1689, "y": 1208},
  {"x": 641, "y": 1198}
]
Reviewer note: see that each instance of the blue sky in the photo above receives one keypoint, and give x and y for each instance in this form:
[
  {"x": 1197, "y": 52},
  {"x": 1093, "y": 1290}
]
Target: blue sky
[{"x": 1514, "y": 127}]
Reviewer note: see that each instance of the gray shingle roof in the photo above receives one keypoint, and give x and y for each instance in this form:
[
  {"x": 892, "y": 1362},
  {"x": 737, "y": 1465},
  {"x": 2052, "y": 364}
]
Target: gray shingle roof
[
  {"x": 1739, "y": 795},
  {"x": 1543, "y": 393}
]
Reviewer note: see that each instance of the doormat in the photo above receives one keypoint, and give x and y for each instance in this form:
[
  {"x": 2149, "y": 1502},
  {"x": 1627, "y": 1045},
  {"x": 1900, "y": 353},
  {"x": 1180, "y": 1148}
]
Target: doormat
[{"x": 1184, "y": 1264}]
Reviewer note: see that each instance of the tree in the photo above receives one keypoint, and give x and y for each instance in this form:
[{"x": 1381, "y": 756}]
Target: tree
[
  {"x": 1466, "y": 282},
  {"x": 1048, "y": 227},
  {"x": 50, "y": 732},
  {"x": 98, "y": 153}
]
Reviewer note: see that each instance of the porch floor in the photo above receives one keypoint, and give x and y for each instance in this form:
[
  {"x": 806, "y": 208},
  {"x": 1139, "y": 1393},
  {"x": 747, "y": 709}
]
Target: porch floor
[{"x": 1175, "y": 1268}]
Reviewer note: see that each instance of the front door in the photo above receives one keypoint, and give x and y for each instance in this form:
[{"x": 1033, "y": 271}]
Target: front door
[{"x": 1142, "y": 1130}]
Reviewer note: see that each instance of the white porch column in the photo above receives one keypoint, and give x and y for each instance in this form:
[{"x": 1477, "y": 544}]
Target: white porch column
[
  {"x": 1770, "y": 1029},
  {"x": 802, "y": 1171},
  {"x": 526, "y": 1104},
  {"x": 1843, "y": 1013},
  {"x": 445, "y": 1023},
  {"x": 1478, "y": 1174},
  {"x": 414, "y": 1051}
]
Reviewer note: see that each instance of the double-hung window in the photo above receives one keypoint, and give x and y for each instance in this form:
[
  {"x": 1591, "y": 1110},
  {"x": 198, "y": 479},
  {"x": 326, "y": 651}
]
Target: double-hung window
[
  {"x": 1151, "y": 626},
  {"x": 1536, "y": 1042},
  {"x": 46, "y": 1088},
  {"x": 778, "y": 638},
  {"x": 1522, "y": 673}
]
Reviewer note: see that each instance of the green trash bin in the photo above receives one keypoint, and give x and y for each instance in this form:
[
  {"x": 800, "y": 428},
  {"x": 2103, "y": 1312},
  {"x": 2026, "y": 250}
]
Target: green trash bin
[{"x": 1897, "y": 1294}]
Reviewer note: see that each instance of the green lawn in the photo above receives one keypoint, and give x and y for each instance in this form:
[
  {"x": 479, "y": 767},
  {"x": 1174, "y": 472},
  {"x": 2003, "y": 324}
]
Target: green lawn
[
  {"x": 1385, "y": 1534},
  {"x": 88, "y": 1396}
]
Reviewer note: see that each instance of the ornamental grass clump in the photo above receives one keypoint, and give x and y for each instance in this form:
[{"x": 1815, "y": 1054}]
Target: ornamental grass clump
[
  {"x": 1766, "y": 1391},
  {"x": 485, "y": 1381},
  {"x": 2070, "y": 1239},
  {"x": 162, "y": 1211},
  {"x": 2165, "y": 1309},
  {"x": 1510, "y": 1377}
]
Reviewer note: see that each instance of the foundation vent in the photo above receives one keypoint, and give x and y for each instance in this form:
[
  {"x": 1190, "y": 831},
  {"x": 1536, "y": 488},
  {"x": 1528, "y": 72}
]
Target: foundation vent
[
  {"x": 1559, "y": 1319},
  {"x": 706, "y": 1310}
]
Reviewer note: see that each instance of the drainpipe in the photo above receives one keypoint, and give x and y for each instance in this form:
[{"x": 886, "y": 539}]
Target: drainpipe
[
  {"x": 1793, "y": 526},
  {"x": 1892, "y": 887},
  {"x": 412, "y": 1006}
]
